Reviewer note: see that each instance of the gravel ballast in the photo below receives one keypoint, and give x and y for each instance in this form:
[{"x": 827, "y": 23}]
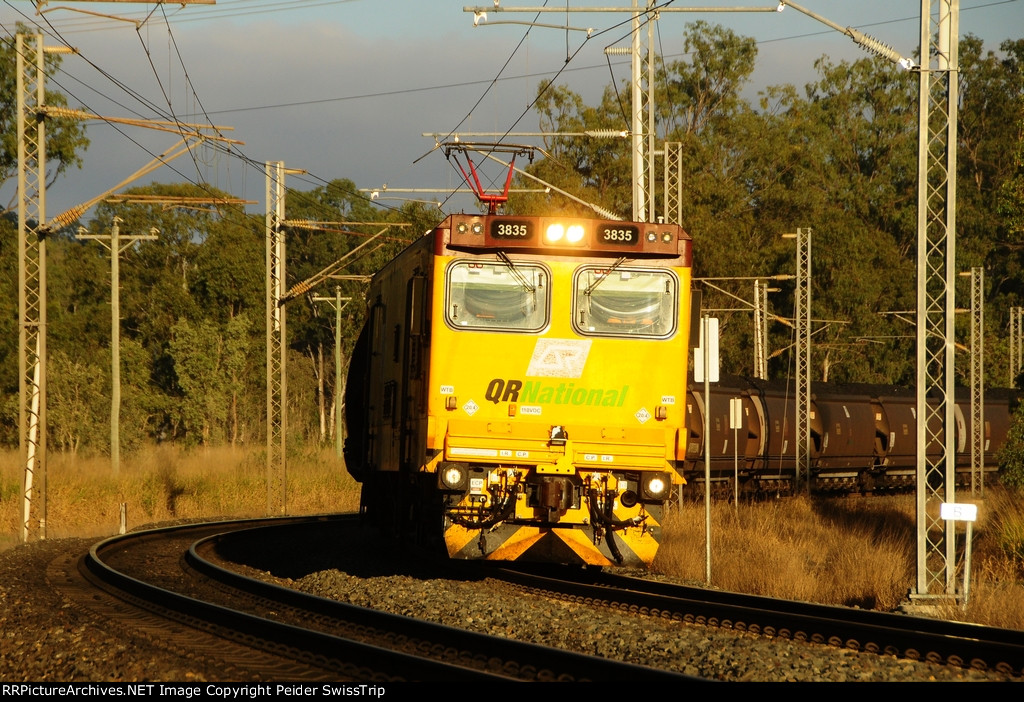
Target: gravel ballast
[{"x": 45, "y": 637}]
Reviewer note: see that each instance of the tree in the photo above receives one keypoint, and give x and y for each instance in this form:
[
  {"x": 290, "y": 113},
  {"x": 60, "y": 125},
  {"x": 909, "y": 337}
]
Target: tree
[
  {"x": 856, "y": 176},
  {"x": 311, "y": 250},
  {"x": 1011, "y": 193},
  {"x": 1011, "y": 455},
  {"x": 76, "y": 403},
  {"x": 595, "y": 170},
  {"x": 208, "y": 363}
]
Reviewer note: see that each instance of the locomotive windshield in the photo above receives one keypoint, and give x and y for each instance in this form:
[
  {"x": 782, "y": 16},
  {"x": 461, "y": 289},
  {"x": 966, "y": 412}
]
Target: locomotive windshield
[
  {"x": 497, "y": 296},
  {"x": 621, "y": 301}
]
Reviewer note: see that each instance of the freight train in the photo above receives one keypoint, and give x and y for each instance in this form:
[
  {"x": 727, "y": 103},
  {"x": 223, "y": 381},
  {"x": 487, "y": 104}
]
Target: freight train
[
  {"x": 519, "y": 389},
  {"x": 863, "y": 438}
]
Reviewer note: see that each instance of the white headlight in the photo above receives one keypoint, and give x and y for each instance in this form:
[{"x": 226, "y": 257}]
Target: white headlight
[{"x": 554, "y": 233}]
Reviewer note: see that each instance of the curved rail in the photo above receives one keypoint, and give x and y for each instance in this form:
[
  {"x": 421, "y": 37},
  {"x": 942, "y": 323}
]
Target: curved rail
[
  {"x": 466, "y": 655},
  {"x": 916, "y": 638}
]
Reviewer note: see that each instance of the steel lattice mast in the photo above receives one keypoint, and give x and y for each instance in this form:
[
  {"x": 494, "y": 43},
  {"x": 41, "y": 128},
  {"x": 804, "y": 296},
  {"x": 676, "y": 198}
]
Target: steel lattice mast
[
  {"x": 761, "y": 329},
  {"x": 936, "y": 247},
  {"x": 803, "y": 356},
  {"x": 1016, "y": 317},
  {"x": 32, "y": 282},
  {"x": 277, "y": 347},
  {"x": 673, "y": 167},
  {"x": 978, "y": 380}
]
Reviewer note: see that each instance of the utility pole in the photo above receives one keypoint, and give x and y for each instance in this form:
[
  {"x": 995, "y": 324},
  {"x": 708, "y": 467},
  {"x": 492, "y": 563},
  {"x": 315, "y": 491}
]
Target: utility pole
[
  {"x": 642, "y": 113},
  {"x": 32, "y": 282},
  {"x": 115, "y": 246},
  {"x": 761, "y": 329}
]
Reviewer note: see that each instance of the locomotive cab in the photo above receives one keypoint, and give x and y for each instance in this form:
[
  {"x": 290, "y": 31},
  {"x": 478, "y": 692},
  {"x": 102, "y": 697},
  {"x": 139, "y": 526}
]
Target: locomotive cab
[{"x": 526, "y": 397}]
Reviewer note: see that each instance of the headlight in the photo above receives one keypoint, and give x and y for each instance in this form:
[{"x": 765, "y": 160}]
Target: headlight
[
  {"x": 656, "y": 486},
  {"x": 574, "y": 234},
  {"x": 453, "y": 476},
  {"x": 554, "y": 233}
]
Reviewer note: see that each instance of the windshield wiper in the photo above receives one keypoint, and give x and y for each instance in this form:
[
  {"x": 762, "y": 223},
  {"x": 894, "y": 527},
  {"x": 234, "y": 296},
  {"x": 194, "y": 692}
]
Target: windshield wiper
[
  {"x": 515, "y": 272},
  {"x": 600, "y": 279}
]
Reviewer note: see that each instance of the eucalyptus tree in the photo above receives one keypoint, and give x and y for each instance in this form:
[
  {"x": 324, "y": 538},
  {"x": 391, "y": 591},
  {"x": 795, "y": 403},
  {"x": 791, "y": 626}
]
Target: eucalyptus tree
[
  {"x": 857, "y": 130},
  {"x": 326, "y": 224},
  {"x": 203, "y": 272}
]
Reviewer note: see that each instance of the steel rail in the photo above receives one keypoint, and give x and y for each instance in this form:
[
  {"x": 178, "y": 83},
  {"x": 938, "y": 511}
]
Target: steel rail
[
  {"x": 544, "y": 663},
  {"x": 478, "y": 656},
  {"x": 317, "y": 649},
  {"x": 917, "y": 638}
]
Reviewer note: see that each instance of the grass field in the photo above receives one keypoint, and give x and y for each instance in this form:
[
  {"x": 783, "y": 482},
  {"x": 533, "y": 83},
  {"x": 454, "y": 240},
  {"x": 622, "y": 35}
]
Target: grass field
[
  {"x": 164, "y": 483},
  {"x": 855, "y": 552}
]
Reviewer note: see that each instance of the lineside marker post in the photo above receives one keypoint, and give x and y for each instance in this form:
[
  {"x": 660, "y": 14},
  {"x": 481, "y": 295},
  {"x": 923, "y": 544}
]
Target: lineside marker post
[
  {"x": 705, "y": 368},
  {"x": 735, "y": 420},
  {"x": 962, "y": 512}
]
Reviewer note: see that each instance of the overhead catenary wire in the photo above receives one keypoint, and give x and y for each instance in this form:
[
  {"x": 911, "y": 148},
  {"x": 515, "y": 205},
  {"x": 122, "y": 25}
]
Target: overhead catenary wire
[
  {"x": 247, "y": 8},
  {"x": 171, "y": 118}
]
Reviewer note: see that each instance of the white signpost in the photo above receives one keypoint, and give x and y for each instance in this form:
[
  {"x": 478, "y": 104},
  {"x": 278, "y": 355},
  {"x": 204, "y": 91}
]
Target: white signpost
[
  {"x": 705, "y": 368},
  {"x": 962, "y": 512},
  {"x": 736, "y": 423}
]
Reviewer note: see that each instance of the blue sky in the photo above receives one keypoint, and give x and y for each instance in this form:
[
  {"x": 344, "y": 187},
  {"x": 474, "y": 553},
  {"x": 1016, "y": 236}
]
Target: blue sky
[{"x": 345, "y": 88}]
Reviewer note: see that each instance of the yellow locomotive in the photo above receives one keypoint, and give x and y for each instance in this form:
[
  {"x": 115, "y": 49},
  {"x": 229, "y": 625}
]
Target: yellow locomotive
[{"x": 519, "y": 389}]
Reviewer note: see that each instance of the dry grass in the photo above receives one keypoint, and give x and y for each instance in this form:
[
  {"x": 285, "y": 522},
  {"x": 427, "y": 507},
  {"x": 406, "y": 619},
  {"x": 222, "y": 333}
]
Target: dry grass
[
  {"x": 854, "y": 552},
  {"x": 164, "y": 483},
  {"x": 996, "y": 597},
  {"x": 857, "y": 552}
]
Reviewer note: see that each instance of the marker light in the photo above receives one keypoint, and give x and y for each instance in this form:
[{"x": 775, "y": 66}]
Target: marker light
[
  {"x": 453, "y": 476},
  {"x": 656, "y": 486},
  {"x": 554, "y": 233}
]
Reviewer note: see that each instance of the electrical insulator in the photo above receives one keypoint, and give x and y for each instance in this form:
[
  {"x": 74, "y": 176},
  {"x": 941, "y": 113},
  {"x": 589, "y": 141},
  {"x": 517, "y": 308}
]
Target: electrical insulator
[{"x": 877, "y": 47}]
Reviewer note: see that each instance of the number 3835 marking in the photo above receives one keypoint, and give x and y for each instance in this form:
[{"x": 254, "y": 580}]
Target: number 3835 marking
[
  {"x": 512, "y": 230},
  {"x": 622, "y": 236}
]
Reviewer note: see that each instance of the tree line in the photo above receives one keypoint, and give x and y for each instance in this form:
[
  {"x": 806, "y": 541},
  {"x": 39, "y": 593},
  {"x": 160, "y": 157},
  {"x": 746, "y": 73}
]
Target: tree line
[{"x": 838, "y": 156}]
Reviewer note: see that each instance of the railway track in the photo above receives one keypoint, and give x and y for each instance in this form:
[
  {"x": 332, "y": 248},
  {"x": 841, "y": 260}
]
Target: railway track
[
  {"x": 170, "y": 580},
  {"x": 915, "y": 638}
]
